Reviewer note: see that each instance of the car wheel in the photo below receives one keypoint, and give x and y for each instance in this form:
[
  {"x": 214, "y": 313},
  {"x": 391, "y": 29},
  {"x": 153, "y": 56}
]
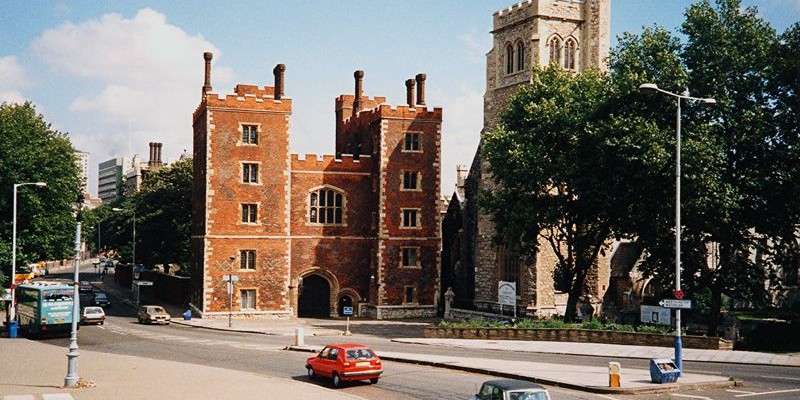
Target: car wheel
[
  {"x": 102, "y": 322},
  {"x": 337, "y": 382},
  {"x": 311, "y": 374},
  {"x": 373, "y": 381}
]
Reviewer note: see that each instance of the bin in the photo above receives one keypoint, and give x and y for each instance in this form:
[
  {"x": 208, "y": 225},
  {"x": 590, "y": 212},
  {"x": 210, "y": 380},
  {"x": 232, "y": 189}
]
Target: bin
[
  {"x": 663, "y": 370},
  {"x": 13, "y": 327},
  {"x": 187, "y": 315}
]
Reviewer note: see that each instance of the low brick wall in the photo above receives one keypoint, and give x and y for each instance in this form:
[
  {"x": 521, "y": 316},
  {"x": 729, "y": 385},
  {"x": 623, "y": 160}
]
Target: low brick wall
[{"x": 579, "y": 335}]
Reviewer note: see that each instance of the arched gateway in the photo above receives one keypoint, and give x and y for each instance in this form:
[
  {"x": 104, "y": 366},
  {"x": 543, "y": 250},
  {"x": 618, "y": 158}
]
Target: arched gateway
[{"x": 315, "y": 297}]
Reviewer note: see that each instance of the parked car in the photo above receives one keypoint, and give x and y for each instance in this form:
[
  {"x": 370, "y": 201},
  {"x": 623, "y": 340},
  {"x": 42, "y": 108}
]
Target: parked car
[
  {"x": 153, "y": 315},
  {"x": 93, "y": 315},
  {"x": 85, "y": 286},
  {"x": 345, "y": 362},
  {"x": 511, "y": 389},
  {"x": 101, "y": 299}
]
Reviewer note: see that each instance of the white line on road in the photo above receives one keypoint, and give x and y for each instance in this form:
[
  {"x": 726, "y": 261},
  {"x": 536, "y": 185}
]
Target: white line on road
[
  {"x": 772, "y": 392},
  {"x": 738, "y": 391},
  {"x": 693, "y": 397},
  {"x": 605, "y": 397}
]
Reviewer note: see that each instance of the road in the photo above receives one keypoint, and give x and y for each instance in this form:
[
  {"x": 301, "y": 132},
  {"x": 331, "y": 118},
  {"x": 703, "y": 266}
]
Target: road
[{"x": 263, "y": 354}]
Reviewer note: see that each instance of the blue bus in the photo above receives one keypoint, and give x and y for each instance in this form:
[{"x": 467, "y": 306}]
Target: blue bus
[{"x": 45, "y": 307}]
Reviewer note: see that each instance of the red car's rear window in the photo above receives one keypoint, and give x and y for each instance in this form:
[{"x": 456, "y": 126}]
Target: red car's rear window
[{"x": 360, "y": 354}]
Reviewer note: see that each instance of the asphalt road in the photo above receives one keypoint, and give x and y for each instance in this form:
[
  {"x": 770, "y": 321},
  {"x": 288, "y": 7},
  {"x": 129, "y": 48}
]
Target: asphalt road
[{"x": 263, "y": 354}]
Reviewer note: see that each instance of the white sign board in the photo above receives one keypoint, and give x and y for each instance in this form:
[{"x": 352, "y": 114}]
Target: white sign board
[
  {"x": 507, "y": 293},
  {"x": 675, "y": 303},
  {"x": 230, "y": 278},
  {"x": 655, "y": 315}
]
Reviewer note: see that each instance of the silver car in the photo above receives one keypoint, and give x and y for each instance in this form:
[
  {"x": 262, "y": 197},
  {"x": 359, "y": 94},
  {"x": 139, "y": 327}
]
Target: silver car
[{"x": 511, "y": 389}]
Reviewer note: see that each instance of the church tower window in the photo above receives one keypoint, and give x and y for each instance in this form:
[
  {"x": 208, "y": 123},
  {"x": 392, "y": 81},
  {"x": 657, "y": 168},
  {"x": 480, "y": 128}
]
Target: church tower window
[
  {"x": 520, "y": 56},
  {"x": 555, "y": 50},
  {"x": 509, "y": 59},
  {"x": 569, "y": 54}
]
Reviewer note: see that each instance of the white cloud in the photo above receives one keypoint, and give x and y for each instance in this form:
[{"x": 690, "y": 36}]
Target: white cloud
[
  {"x": 476, "y": 46},
  {"x": 149, "y": 73},
  {"x": 463, "y": 121},
  {"x": 12, "y": 80}
]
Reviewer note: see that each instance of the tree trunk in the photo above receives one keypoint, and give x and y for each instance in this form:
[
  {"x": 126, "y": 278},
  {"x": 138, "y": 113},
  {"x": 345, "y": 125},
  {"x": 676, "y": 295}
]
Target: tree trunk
[
  {"x": 575, "y": 292},
  {"x": 714, "y": 311}
]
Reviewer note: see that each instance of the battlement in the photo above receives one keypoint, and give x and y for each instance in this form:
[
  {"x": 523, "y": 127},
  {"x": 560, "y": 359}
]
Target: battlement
[
  {"x": 387, "y": 111},
  {"x": 245, "y": 89},
  {"x": 329, "y": 163},
  {"x": 516, "y": 7},
  {"x": 347, "y": 100},
  {"x": 247, "y": 97},
  {"x": 563, "y": 9}
]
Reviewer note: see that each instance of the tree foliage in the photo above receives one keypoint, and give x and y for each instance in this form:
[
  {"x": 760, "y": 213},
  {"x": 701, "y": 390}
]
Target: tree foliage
[{"x": 31, "y": 151}]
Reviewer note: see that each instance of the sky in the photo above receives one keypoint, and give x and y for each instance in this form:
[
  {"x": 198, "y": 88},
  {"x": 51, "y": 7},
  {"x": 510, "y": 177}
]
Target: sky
[{"x": 118, "y": 75}]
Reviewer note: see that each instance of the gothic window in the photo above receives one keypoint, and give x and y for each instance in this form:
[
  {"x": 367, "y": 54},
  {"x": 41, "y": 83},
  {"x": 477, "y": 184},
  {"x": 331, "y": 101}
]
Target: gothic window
[
  {"x": 555, "y": 50},
  {"x": 570, "y": 48},
  {"x": 520, "y": 56},
  {"x": 509, "y": 59},
  {"x": 509, "y": 264},
  {"x": 326, "y": 206}
]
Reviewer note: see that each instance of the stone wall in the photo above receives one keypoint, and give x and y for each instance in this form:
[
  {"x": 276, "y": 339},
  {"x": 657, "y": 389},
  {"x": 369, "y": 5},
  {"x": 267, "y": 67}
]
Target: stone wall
[
  {"x": 578, "y": 335},
  {"x": 396, "y": 312}
]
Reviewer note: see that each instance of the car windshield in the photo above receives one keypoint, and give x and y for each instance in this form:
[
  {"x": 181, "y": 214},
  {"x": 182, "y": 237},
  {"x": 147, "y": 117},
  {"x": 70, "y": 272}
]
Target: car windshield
[
  {"x": 92, "y": 310},
  {"x": 156, "y": 310},
  {"x": 360, "y": 354},
  {"x": 99, "y": 296},
  {"x": 529, "y": 395}
]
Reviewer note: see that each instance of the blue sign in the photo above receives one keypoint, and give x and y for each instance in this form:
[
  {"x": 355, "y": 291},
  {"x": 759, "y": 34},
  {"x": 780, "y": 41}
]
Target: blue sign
[{"x": 348, "y": 311}]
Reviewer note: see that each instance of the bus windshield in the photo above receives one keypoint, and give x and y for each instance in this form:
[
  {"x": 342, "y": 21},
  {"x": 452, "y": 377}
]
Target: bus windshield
[{"x": 57, "y": 295}]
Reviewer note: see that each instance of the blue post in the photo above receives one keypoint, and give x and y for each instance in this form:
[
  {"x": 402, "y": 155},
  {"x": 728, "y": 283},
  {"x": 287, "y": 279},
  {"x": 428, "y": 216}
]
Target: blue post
[{"x": 678, "y": 355}]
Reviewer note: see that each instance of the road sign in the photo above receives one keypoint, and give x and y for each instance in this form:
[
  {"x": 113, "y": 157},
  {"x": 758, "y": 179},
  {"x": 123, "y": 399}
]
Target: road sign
[
  {"x": 675, "y": 303},
  {"x": 347, "y": 311},
  {"x": 679, "y": 294},
  {"x": 230, "y": 278}
]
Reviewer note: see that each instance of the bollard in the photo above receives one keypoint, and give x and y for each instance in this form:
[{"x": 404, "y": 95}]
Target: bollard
[
  {"x": 614, "y": 370},
  {"x": 12, "y": 329},
  {"x": 298, "y": 337},
  {"x": 187, "y": 315}
]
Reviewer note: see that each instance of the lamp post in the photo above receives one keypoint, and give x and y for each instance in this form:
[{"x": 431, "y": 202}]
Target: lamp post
[
  {"x": 72, "y": 353},
  {"x": 653, "y": 88},
  {"x": 133, "y": 244},
  {"x": 12, "y": 309}
]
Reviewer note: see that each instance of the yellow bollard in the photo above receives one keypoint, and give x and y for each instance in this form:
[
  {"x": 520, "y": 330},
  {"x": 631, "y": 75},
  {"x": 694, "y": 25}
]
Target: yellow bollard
[{"x": 614, "y": 370}]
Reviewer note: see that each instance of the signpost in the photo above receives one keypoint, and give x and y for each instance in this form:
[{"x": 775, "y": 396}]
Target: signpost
[
  {"x": 348, "y": 311},
  {"x": 675, "y": 303},
  {"x": 229, "y": 279},
  {"x": 507, "y": 293}
]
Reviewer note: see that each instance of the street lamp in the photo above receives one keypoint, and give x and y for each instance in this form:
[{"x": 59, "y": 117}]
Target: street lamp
[
  {"x": 653, "y": 88},
  {"x": 133, "y": 245},
  {"x": 12, "y": 309},
  {"x": 72, "y": 351}
]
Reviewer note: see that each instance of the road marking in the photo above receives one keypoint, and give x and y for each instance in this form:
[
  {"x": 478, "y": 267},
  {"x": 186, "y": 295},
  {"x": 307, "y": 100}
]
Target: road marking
[
  {"x": 738, "y": 391},
  {"x": 693, "y": 397},
  {"x": 781, "y": 377},
  {"x": 605, "y": 397},
  {"x": 772, "y": 392},
  {"x": 57, "y": 396}
]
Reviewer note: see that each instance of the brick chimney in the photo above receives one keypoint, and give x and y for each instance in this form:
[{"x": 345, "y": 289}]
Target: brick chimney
[
  {"x": 421, "y": 89},
  {"x": 278, "y": 73},
  {"x": 207, "y": 85},
  {"x": 359, "y": 76},
  {"x": 410, "y": 92},
  {"x": 155, "y": 155}
]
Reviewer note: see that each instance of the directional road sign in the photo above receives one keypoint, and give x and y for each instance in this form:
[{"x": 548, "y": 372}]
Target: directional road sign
[
  {"x": 675, "y": 303},
  {"x": 230, "y": 278}
]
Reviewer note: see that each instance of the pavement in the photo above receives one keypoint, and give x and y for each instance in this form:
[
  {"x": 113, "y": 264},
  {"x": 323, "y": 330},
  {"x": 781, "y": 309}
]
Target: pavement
[{"x": 151, "y": 374}]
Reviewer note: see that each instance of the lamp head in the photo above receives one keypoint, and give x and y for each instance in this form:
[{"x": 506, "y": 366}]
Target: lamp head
[
  {"x": 40, "y": 184},
  {"x": 648, "y": 88},
  {"x": 116, "y": 209},
  {"x": 708, "y": 101}
]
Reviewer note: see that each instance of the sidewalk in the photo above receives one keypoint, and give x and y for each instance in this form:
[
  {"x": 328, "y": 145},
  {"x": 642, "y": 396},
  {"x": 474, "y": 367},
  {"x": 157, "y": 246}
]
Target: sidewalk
[{"x": 31, "y": 370}]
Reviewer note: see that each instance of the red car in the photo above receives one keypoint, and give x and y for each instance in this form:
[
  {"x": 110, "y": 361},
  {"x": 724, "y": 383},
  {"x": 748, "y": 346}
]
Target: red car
[{"x": 345, "y": 362}]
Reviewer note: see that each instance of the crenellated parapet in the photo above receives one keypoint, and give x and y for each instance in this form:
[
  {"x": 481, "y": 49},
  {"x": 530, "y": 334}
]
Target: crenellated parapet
[{"x": 329, "y": 163}]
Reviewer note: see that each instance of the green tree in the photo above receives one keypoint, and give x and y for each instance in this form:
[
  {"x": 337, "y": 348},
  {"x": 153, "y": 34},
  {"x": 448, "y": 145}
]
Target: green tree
[
  {"x": 555, "y": 183},
  {"x": 31, "y": 151}
]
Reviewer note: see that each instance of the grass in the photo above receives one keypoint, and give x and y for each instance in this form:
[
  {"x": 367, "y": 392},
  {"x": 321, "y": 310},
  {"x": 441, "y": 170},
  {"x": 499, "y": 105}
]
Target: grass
[{"x": 556, "y": 323}]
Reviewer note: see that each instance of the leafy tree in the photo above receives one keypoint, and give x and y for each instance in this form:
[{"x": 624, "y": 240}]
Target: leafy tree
[
  {"x": 31, "y": 151},
  {"x": 555, "y": 183}
]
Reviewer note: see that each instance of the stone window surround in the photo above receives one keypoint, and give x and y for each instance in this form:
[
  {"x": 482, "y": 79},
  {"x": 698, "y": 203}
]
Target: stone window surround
[
  {"x": 417, "y": 221},
  {"x": 308, "y": 205},
  {"x": 417, "y": 262},
  {"x": 417, "y": 185},
  {"x": 241, "y": 215},
  {"x": 242, "y": 298},
  {"x": 555, "y": 51},
  {"x": 575, "y": 51},
  {"x": 419, "y": 144},
  {"x": 414, "y": 297},
  {"x": 246, "y": 258},
  {"x": 240, "y": 130},
  {"x": 244, "y": 163}
]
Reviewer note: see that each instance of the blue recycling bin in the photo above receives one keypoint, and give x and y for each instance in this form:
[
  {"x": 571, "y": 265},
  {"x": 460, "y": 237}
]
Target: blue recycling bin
[
  {"x": 13, "y": 328},
  {"x": 187, "y": 315},
  {"x": 663, "y": 370}
]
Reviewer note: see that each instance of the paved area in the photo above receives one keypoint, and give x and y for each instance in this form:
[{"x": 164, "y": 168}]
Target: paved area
[{"x": 31, "y": 370}]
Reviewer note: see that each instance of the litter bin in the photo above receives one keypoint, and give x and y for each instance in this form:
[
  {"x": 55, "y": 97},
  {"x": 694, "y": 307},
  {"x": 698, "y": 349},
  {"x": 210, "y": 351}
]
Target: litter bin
[
  {"x": 663, "y": 370},
  {"x": 13, "y": 327},
  {"x": 187, "y": 315}
]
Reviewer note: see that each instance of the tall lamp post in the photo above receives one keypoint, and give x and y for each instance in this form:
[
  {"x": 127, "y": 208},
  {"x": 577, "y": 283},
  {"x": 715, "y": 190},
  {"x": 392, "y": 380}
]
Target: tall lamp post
[
  {"x": 653, "y": 88},
  {"x": 12, "y": 309},
  {"x": 72, "y": 353},
  {"x": 133, "y": 244}
]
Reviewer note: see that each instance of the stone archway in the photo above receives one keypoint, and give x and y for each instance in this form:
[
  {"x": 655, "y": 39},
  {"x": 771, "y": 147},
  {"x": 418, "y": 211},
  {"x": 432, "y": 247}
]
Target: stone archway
[
  {"x": 314, "y": 299},
  {"x": 347, "y": 298}
]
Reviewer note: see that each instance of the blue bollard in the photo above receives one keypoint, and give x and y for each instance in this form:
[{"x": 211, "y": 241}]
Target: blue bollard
[
  {"x": 187, "y": 315},
  {"x": 12, "y": 329}
]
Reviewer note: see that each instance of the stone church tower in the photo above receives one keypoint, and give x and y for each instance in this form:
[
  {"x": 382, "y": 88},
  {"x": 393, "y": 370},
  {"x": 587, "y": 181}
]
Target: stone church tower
[{"x": 573, "y": 34}]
